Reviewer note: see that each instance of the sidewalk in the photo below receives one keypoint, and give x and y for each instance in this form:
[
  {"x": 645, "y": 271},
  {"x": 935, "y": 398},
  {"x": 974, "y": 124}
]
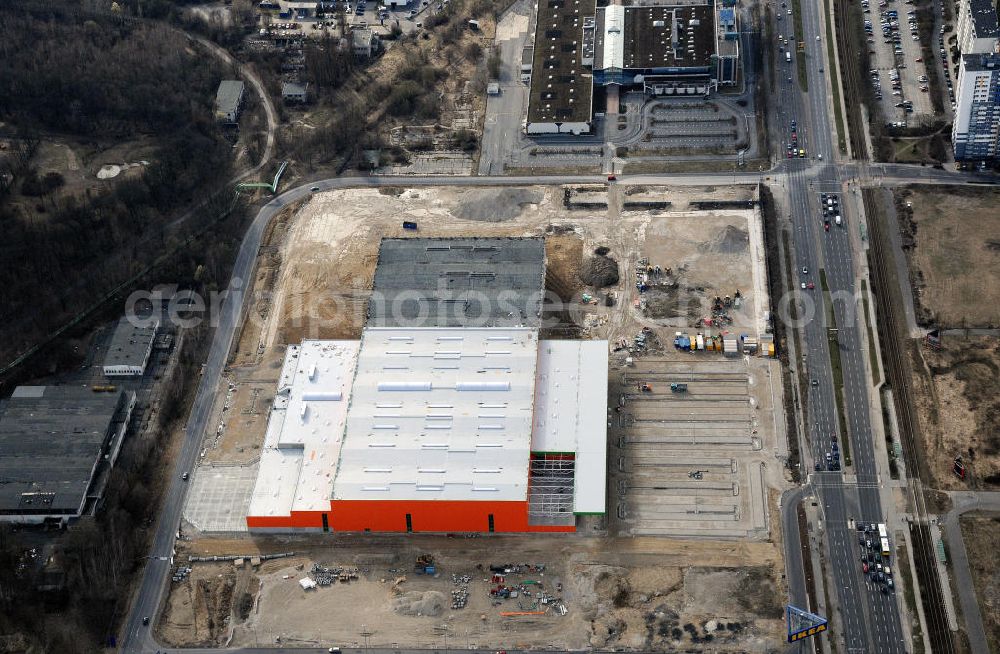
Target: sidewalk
[{"x": 964, "y": 502}]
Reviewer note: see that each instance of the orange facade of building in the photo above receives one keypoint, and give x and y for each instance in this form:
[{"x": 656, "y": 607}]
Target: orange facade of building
[{"x": 410, "y": 516}]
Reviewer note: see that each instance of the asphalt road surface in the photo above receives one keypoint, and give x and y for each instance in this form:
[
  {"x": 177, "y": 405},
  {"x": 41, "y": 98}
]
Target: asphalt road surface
[
  {"x": 869, "y": 619},
  {"x": 963, "y": 502}
]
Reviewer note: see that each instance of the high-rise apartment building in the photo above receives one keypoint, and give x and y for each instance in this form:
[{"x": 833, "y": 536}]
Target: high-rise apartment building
[{"x": 976, "y": 130}]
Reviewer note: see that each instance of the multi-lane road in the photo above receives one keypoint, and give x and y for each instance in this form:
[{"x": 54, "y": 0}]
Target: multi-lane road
[{"x": 869, "y": 620}]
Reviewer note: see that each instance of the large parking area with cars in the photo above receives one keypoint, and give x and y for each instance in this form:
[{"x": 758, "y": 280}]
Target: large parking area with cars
[{"x": 898, "y": 73}]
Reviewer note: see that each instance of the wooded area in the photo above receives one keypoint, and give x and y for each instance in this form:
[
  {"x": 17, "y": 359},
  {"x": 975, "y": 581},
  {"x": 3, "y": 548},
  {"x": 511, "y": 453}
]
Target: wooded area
[
  {"x": 99, "y": 82},
  {"x": 107, "y": 82}
]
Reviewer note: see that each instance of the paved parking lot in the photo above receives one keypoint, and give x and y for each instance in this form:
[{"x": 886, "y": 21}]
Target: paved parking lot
[
  {"x": 898, "y": 73},
  {"x": 690, "y": 463},
  {"x": 219, "y": 497},
  {"x": 693, "y": 123}
]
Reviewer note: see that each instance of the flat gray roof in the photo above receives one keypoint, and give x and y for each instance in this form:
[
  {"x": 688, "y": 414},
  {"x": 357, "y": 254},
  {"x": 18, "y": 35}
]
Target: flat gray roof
[
  {"x": 293, "y": 88},
  {"x": 458, "y": 282},
  {"x": 527, "y": 55},
  {"x": 984, "y": 18},
  {"x": 52, "y": 439},
  {"x": 561, "y": 86},
  {"x": 129, "y": 344},
  {"x": 669, "y": 36},
  {"x": 227, "y": 98},
  {"x": 981, "y": 61}
]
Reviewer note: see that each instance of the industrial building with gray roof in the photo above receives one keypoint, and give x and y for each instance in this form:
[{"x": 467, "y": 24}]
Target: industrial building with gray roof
[
  {"x": 561, "y": 90},
  {"x": 130, "y": 347},
  {"x": 458, "y": 282},
  {"x": 662, "y": 47},
  {"x": 57, "y": 444},
  {"x": 229, "y": 101}
]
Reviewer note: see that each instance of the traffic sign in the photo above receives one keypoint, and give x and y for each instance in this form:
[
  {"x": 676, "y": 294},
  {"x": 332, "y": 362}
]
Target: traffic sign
[{"x": 803, "y": 624}]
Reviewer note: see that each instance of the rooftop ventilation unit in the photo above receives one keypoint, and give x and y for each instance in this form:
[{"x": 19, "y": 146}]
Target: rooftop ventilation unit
[
  {"x": 482, "y": 386},
  {"x": 404, "y": 386},
  {"x": 322, "y": 396}
]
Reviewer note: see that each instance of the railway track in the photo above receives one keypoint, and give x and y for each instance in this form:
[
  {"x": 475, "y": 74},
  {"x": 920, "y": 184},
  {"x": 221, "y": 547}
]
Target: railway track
[
  {"x": 893, "y": 341},
  {"x": 847, "y": 45}
]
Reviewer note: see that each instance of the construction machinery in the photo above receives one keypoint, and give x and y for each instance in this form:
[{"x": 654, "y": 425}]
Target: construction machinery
[{"x": 425, "y": 565}]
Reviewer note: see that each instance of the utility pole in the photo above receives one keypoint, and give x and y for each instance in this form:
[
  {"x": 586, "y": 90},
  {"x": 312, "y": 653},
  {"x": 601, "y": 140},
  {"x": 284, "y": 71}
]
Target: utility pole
[{"x": 366, "y": 635}]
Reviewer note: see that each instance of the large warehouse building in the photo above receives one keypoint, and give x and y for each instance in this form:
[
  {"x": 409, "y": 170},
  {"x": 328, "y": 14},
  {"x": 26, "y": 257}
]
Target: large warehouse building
[
  {"x": 660, "y": 47},
  {"x": 57, "y": 446},
  {"x": 437, "y": 428}
]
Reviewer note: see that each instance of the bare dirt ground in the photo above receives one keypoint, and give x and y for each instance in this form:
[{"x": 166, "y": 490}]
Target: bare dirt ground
[
  {"x": 707, "y": 258},
  {"x": 981, "y": 535},
  {"x": 635, "y": 593},
  {"x": 322, "y": 270},
  {"x": 639, "y": 592},
  {"x": 957, "y": 391},
  {"x": 78, "y": 163},
  {"x": 953, "y": 239}
]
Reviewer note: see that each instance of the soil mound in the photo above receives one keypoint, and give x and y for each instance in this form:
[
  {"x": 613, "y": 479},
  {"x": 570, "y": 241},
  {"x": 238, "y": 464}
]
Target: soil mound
[
  {"x": 599, "y": 271},
  {"x": 731, "y": 240}
]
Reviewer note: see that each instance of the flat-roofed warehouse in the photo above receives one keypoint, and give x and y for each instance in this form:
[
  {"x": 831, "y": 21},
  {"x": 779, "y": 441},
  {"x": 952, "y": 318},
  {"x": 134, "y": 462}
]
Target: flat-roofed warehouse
[
  {"x": 667, "y": 48},
  {"x": 130, "y": 347},
  {"x": 561, "y": 90},
  {"x": 445, "y": 425},
  {"x": 57, "y": 446},
  {"x": 435, "y": 430},
  {"x": 453, "y": 282},
  {"x": 661, "y": 47}
]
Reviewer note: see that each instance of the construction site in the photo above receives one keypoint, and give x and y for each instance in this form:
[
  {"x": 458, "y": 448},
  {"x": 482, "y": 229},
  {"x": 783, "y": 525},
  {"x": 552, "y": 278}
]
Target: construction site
[
  {"x": 543, "y": 591},
  {"x": 674, "y": 281}
]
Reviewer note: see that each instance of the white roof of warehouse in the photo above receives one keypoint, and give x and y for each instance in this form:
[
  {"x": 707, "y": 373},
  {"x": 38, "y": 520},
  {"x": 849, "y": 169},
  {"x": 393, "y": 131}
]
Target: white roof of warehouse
[
  {"x": 440, "y": 414},
  {"x": 614, "y": 36},
  {"x": 305, "y": 428},
  {"x": 571, "y": 400},
  {"x": 435, "y": 413}
]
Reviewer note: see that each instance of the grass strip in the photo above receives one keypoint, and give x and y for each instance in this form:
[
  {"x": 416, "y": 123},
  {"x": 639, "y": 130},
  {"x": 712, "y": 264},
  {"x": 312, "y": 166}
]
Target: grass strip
[
  {"x": 887, "y": 430},
  {"x": 872, "y": 357},
  {"x": 837, "y": 367},
  {"x": 793, "y": 311},
  {"x": 834, "y": 81},
  {"x": 903, "y": 563},
  {"x": 800, "y": 55},
  {"x": 831, "y": 319}
]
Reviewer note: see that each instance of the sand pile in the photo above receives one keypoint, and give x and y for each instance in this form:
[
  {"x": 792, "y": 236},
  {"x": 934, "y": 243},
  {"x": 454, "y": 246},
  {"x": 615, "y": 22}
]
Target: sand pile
[
  {"x": 416, "y": 602},
  {"x": 731, "y": 240}
]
